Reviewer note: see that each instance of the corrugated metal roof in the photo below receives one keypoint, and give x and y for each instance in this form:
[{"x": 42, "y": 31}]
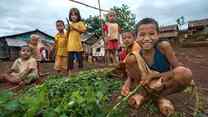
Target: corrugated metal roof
[
  {"x": 168, "y": 34},
  {"x": 201, "y": 22},
  {"x": 15, "y": 42},
  {"x": 169, "y": 28}
]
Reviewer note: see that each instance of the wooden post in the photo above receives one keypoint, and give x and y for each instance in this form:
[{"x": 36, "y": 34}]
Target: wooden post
[{"x": 102, "y": 34}]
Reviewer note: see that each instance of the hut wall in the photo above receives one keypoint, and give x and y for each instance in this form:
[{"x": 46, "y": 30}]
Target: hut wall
[
  {"x": 14, "y": 52},
  {"x": 4, "y": 49}
]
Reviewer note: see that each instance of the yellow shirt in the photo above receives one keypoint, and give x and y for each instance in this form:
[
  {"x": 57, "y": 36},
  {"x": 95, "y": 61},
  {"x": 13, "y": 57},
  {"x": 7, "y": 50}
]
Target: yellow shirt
[
  {"x": 60, "y": 41},
  {"x": 74, "y": 43}
]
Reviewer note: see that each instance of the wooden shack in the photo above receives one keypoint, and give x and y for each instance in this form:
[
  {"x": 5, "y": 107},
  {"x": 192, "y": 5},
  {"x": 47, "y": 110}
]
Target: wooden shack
[
  {"x": 11, "y": 44},
  {"x": 93, "y": 46},
  {"x": 198, "y": 29},
  {"x": 169, "y": 33}
]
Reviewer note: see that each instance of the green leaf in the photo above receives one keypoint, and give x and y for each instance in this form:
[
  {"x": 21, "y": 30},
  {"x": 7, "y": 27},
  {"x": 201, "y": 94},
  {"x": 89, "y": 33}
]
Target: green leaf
[
  {"x": 5, "y": 96},
  {"x": 12, "y": 105}
]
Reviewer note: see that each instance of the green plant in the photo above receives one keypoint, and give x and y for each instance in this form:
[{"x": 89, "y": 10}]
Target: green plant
[{"x": 85, "y": 94}]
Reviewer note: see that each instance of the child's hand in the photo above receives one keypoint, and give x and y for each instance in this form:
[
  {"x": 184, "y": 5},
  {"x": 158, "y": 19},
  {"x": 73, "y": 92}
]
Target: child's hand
[
  {"x": 125, "y": 90},
  {"x": 149, "y": 78},
  {"x": 167, "y": 75},
  {"x": 30, "y": 67},
  {"x": 72, "y": 27},
  {"x": 10, "y": 71},
  {"x": 156, "y": 85}
]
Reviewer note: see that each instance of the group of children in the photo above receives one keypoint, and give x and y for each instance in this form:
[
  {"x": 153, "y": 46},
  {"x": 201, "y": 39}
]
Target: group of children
[
  {"x": 152, "y": 64},
  {"x": 68, "y": 47},
  {"x": 148, "y": 61},
  {"x": 68, "y": 43}
]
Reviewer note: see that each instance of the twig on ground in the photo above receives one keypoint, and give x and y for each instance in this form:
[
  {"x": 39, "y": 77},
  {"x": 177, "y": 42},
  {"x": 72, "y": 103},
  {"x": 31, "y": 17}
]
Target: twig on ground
[{"x": 123, "y": 100}]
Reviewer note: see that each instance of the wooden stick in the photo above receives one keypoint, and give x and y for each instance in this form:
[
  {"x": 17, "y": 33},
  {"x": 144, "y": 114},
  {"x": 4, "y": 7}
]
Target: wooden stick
[
  {"x": 123, "y": 100},
  {"x": 89, "y": 6}
]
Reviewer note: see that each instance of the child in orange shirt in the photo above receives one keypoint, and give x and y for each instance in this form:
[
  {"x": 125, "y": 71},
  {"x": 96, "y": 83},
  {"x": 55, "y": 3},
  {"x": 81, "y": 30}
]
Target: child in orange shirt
[
  {"x": 130, "y": 43},
  {"x": 60, "y": 48},
  {"x": 130, "y": 46}
]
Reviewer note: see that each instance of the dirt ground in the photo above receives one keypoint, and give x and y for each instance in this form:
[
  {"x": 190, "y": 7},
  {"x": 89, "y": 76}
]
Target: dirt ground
[{"x": 195, "y": 58}]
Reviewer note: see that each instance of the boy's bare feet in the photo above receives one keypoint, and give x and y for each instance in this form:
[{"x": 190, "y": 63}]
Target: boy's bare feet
[
  {"x": 166, "y": 107},
  {"x": 136, "y": 101}
]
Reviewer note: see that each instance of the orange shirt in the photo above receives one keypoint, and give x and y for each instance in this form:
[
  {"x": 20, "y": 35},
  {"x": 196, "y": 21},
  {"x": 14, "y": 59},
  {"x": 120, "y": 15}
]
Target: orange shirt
[{"x": 134, "y": 49}]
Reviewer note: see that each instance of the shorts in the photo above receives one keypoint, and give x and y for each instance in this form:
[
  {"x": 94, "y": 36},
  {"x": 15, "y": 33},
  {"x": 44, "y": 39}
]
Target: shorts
[
  {"x": 112, "y": 44},
  {"x": 74, "y": 56},
  {"x": 61, "y": 63},
  {"x": 15, "y": 78}
]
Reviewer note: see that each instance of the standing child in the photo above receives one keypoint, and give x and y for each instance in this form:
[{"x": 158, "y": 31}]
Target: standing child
[
  {"x": 34, "y": 42},
  {"x": 156, "y": 68},
  {"x": 35, "y": 45},
  {"x": 111, "y": 38},
  {"x": 74, "y": 45},
  {"x": 24, "y": 69},
  {"x": 60, "y": 48}
]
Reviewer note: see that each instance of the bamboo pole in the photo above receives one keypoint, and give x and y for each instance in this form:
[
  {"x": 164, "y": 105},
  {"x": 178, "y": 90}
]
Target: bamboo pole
[{"x": 88, "y": 5}]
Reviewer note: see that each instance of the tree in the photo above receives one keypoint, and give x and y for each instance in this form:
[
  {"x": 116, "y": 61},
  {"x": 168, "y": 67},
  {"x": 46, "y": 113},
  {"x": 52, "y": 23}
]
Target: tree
[
  {"x": 94, "y": 25},
  {"x": 125, "y": 18}
]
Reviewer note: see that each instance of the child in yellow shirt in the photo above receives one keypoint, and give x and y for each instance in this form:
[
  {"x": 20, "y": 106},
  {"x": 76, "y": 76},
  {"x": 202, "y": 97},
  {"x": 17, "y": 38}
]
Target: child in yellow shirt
[
  {"x": 74, "y": 45},
  {"x": 60, "y": 47}
]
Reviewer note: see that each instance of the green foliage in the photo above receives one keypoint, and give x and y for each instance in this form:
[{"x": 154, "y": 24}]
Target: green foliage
[
  {"x": 87, "y": 94},
  {"x": 8, "y": 105},
  {"x": 82, "y": 95},
  {"x": 125, "y": 18},
  {"x": 94, "y": 25},
  {"x": 152, "y": 108}
]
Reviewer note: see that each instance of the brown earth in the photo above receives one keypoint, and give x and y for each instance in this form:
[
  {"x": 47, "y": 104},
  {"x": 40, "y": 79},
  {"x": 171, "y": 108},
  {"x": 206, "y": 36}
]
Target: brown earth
[{"x": 194, "y": 58}]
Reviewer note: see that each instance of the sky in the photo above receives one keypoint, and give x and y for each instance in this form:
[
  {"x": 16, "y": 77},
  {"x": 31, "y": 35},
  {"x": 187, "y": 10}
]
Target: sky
[{"x": 17, "y": 16}]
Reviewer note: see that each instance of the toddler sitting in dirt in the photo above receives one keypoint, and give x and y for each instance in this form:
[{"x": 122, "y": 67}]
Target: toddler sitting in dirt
[{"x": 23, "y": 70}]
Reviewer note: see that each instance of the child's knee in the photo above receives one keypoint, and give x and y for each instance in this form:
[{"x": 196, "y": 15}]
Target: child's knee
[
  {"x": 183, "y": 72},
  {"x": 183, "y": 75}
]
